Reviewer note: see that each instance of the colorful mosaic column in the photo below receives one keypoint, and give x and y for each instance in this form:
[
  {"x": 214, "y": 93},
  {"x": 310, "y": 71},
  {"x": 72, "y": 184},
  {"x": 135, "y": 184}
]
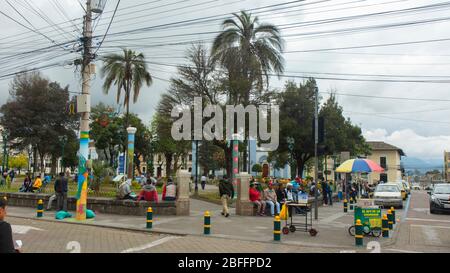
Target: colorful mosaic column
[
  {"x": 83, "y": 175},
  {"x": 235, "y": 156},
  {"x": 130, "y": 154}
]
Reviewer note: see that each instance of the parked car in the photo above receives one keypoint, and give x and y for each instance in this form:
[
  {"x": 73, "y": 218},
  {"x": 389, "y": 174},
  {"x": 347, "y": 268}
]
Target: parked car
[
  {"x": 416, "y": 187},
  {"x": 440, "y": 198},
  {"x": 388, "y": 194},
  {"x": 407, "y": 187},
  {"x": 401, "y": 188}
]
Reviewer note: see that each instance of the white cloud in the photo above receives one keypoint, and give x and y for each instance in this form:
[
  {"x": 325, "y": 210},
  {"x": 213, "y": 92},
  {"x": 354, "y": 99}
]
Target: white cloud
[{"x": 413, "y": 144}]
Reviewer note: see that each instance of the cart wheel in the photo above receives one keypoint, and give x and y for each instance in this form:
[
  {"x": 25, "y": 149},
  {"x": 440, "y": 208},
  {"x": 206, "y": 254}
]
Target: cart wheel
[
  {"x": 313, "y": 232},
  {"x": 285, "y": 230},
  {"x": 351, "y": 231},
  {"x": 366, "y": 230},
  {"x": 376, "y": 232},
  {"x": 292, "y": 229}
]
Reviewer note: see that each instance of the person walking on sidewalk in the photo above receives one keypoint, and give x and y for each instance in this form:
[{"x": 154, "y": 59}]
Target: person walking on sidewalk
[
  {"x": 61, "y": 192},
  {"x": 6, "y": 238},
  {"x": 203, "y": 179},
  {"x": 226, "y": 192}
]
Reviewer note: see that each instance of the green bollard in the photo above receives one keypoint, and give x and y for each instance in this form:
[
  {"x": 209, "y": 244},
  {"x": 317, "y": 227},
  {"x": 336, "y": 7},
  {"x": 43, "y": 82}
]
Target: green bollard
[
  {"x": 393, "y": 215},
  {"x": 207, "y": 223},
  {"x": 390, "y": 220},
  {"x": 149, "y": 217},
  {"x": 345, "y": 205},
  {"x": 277, "y": 229},
  {"x": 351, "y": 203},
  {"x": 40, "y": 208},
  {"x": 359, "y": 233},
  {"x": 385, "y": 226}
]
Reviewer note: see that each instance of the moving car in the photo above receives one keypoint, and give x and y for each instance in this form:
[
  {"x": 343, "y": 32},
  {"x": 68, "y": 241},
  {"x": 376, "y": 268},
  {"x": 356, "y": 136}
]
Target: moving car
[
  {"x": 388, "y": 195},
  {"x": 416, "y": 187},
  {"x": 440, "y": 198}
]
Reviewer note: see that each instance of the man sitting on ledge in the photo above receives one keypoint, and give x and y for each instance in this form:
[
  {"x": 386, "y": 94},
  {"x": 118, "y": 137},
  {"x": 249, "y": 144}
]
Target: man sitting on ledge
[{"x": 125, "y": 191}]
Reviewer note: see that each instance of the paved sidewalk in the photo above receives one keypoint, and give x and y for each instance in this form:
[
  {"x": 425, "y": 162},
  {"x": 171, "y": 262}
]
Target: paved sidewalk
[{"x": 332, "y": 225}]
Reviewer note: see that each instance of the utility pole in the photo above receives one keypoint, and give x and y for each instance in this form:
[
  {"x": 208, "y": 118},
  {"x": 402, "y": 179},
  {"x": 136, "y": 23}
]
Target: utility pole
[
  {"x": 83, "y": 173},
  {"x": 316, "y": 161}
]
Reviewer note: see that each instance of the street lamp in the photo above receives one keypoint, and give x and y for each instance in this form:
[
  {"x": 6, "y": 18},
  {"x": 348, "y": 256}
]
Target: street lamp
[
  {"x": 30, "y": 152},
  {"x": 290, "y": 141},
  {"x": 63, "y": 140},
  {"x": 5, "y": 156}
]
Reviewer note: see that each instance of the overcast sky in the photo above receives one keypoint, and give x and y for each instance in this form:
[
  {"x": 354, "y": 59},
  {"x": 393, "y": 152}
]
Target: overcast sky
[{"x": 420, "y": 128}]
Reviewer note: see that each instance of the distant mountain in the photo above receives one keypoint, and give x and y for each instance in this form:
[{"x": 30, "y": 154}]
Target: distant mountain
[{"x": 423, "y": 165}]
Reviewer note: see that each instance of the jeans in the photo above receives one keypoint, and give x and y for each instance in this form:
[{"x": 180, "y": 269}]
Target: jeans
[
  {"x": 261, "y": 206},
  {"x": 61, "y": 201},
  {"x": 272, "y": 207}
]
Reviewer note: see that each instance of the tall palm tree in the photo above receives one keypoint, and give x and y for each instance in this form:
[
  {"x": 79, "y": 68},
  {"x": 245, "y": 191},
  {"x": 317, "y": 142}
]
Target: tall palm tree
[
  {"x": 127, "y": 72},
  {"x": 250, "y": 51}
]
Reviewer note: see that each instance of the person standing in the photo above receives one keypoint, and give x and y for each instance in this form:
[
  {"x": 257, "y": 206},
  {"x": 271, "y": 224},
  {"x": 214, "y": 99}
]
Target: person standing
[
  {"x": 339, "y": 190},
  {"x": 330, "y": 192},
  {"x": 226, "y": 192},
  {"x": 6, "y": 238},
  {"x": 61, "y": 192}
]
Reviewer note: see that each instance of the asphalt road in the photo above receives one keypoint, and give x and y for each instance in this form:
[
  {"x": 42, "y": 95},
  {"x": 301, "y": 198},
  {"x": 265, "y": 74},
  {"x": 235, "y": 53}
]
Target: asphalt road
[{"x": 421, "y": 231}]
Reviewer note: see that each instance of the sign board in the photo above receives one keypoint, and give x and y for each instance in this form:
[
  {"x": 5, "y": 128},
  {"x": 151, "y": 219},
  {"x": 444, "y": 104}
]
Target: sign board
[
  {"x": 368, "y": 216},
  {"x": 303, "y": 198},
  {"x": 121, "y": 164}
]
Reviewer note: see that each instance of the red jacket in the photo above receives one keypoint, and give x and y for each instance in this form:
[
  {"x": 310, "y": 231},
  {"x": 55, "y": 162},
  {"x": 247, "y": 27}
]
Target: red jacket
[
  {"x": 148, "y": 195},
  {"x": 254, "y": 194}
]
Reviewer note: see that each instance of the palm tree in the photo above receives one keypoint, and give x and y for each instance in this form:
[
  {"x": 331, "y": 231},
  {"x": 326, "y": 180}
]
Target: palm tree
[
  {"x": 250, "y": 51},
  {"x": 127, "y": 72}
]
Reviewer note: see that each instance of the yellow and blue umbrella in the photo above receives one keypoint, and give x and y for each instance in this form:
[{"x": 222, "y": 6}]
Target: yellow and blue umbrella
[{"x": 359, "y": 165}]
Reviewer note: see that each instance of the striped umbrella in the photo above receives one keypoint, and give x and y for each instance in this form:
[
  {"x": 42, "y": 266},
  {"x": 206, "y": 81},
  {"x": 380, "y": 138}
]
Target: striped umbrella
[{"x": 359, "y": 165}]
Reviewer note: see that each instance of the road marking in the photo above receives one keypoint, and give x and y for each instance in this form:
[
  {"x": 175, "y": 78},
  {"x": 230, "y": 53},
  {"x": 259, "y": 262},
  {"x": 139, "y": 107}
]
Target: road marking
[
  {"x": 403, "y": 251},
  {"x": 427, "y": 220},
  {"x": 332, "y": 218},
  {"x": 18, "y": 229},
  {"x": 405, "y": 214},
  {"x": 150, "y": 245},
  {"x": 428, "y": 226},
  {"x": 431, "y": 235}
]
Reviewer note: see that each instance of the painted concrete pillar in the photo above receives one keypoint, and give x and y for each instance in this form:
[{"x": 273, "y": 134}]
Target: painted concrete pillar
[
  {"x": 182, "y": 201},
  {"x": 130, "y": 154},
  {"x": 243, "y": 204},
  {"x": 235, "y": 158},
  {"x": 83, "y": 175},
  {"x": 252, "y": 144}
]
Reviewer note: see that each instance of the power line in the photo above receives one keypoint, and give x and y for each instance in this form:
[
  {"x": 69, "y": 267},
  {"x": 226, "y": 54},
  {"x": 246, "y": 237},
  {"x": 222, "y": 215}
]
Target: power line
[
  {"x": 110, "y": 22},
  {"x": 389, "y": 98}
]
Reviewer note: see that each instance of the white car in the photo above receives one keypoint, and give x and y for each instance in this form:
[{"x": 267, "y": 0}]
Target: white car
[
  {"x": 401, "y": 186},
  {"x": 388, "y": 195}
]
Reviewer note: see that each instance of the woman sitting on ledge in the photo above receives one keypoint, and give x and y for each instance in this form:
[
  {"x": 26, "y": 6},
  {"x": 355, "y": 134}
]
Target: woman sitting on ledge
[
  {"x": 169, "y": 191},
  {"x": 148, "y": 192}
]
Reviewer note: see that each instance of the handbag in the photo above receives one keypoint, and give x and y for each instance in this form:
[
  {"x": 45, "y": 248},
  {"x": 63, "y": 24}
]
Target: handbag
[{"x": 284, "y": 214}]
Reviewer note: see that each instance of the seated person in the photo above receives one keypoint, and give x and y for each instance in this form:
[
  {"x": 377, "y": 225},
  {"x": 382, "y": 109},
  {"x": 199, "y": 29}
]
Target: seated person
[
  {"x": 125, "y": 191},
  {"x": 270, "y": 197},
  {"x": 169, "y": 191},
  {"x": 148, "y": 193},
  {"x": 37, "y": 184},
  {"x": 255, "y": 198},
  {"x": 281, "y": 194},
  {"x": 27, "y": 185}
]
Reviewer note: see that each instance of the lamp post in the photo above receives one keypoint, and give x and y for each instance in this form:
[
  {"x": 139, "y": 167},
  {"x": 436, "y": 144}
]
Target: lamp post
[
  {"x": 63, "y": 140},
  {"x": 5, "y": 156},
  {"x": 30, "y": 152},
  {"x": 290, "y": 141}
]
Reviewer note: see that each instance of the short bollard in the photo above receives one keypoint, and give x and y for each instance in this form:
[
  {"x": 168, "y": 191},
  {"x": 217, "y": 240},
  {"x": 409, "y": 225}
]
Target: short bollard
[
  {"x": 149, "y": 217},
  {"x": 207, "y": 223},
  {"x": 393, "y": 215},
  {"x": 385, "y": 226},
  {"x": 345, "y": 205},
  {"x": 358, "y": 233},
  {"x": 277, "y": 228},
  {"x": 351, "y": 203},
  {"x": 40, "y": 208},
  {"x": 390, "y": 220}
]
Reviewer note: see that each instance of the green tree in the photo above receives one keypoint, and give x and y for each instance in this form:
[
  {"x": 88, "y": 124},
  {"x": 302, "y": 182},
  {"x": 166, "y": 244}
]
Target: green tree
[
  {"x": 249, "y": 51},
  {"x": 127, "y": 72},
  {"x": 36, "y": 114},
  {"x": 18, "y": 162}
]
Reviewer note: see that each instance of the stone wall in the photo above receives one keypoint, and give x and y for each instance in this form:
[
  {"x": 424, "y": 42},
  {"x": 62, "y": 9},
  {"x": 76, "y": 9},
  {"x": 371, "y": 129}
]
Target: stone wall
[{"x": 99, "y": 204}]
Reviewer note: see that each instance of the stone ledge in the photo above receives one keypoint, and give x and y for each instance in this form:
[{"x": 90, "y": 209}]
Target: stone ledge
[{"x": 99, "y": 204}]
